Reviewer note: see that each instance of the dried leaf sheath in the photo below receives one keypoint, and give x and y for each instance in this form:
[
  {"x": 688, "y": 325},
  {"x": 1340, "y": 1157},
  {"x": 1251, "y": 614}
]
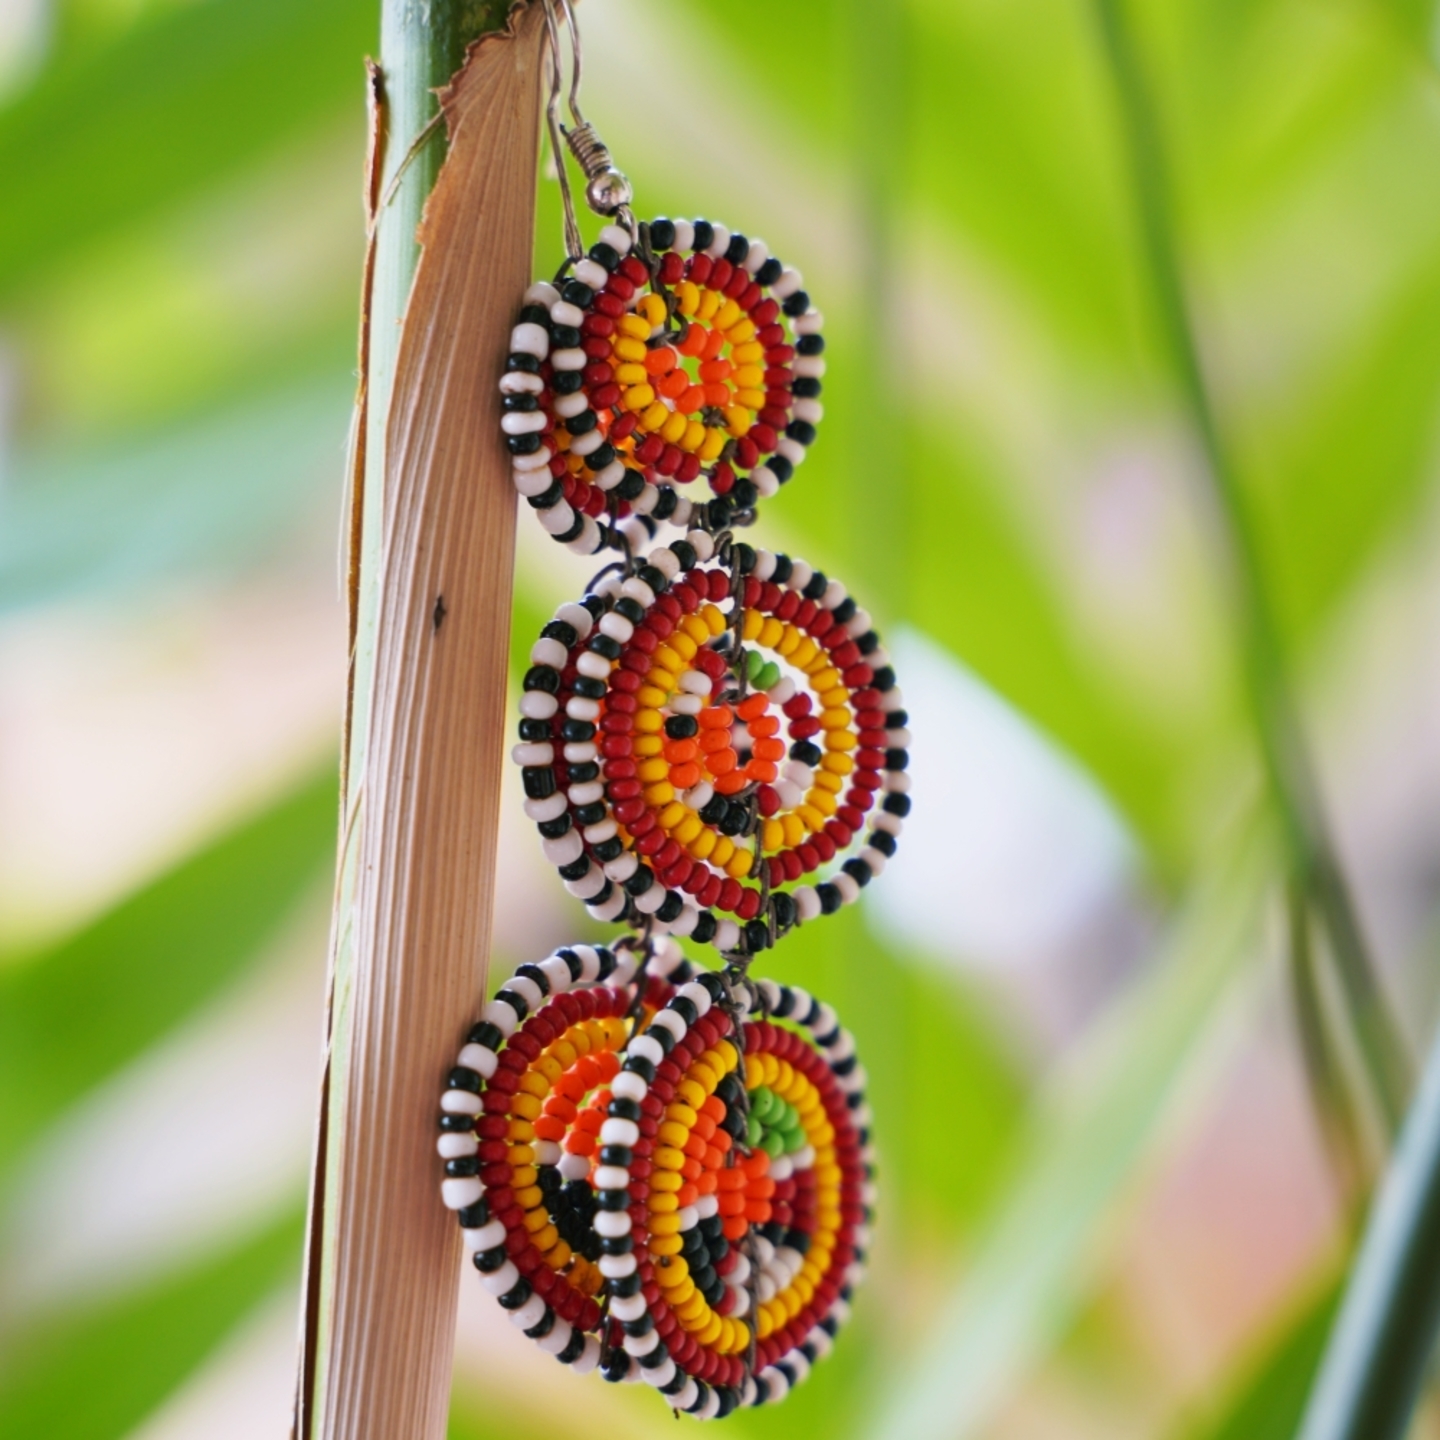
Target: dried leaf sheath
[{"x": 424, "y": 790}]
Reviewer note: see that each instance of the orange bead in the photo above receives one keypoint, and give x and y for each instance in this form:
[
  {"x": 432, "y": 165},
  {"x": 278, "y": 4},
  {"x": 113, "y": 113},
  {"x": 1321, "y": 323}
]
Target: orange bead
[
  {"x": 732, "y": 1177},
  {"x": 763, "y": 772},
  {"x": 761, "y": 1189},
  {"x": 707, "y": 1184},
  {"x": 713, "y": 740},
  {"x": 755, "y": 1164},
  {"x": 691, "y": 398},
  {"x": 764, "y": 726},
  {"x": 757, "y": 1212},
  {"x": 692, "y": 1169},
  {"x": 588, "y": 1122},
  {"x": 731, "y": 1202},
  {"x": 695, "y": 1147},
  {"x": 673, "y": 385},
  {"x": 713, "y": 370},
  {"x": 579, "y": 1143},
  {"x": 550, "y": 1127},
  {"x": 661, "y": 360},
  {"x": 735, "y": 1227},
  {"x": 732, "y": 783},
  {"x": 714, "y": 1157},
  {"x": 715, "y": 717},
  {"x": 562, "y": 1109},
  {"x": 714, "y": 344},
  {"x": 768, "y": 749},
  {"x": 571, "y": 1086},
  {"x": 717, "y": 394},
  {"x": 696, "y": 338},
  {"x": 714, "y": 1107},
  {"x": 753, "y": 706},
  {"x": 722, "y": 761},
  {"x": 678, "y": 751},
  {"x": 682, "y": 777},
  {"x": 704, "y": 1126},
  {"x": 722, "y": 1142}
]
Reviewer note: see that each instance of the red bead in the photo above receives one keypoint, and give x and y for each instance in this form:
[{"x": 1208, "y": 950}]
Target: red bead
[
  {"x": 672, "y": 268},
  {"x": 699, "y": 268},
  {"x": 764, "y": 437},
  {"x": 730, "y": 892},
  {"x": 747, "y": 452}
]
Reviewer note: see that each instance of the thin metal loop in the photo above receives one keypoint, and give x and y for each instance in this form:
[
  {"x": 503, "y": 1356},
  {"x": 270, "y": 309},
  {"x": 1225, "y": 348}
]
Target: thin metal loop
[{"x": 574, "y": 244}]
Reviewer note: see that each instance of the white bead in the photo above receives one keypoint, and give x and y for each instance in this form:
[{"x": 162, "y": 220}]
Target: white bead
[
  {"x": 479, "y": 1058},
  {"x": 719, "y": 244},
  {"x": 651, "y": 900},
  {"x": 792, "y": 450},
  {"x": 629, "y": 1086},
  {"x": 790, "y": 794},
  {"x": 756, "y": 256},
  {"x": 897, "y": 782},
  {"x": 540, "y": 460},
  {"x": 808, "y": 367},
  {"x": 520, "y": 382},
  {"x": 682, "y": 512},
  {"x": 628, "y": 1307},
  {"x": 701, "y": 543},
  {"x": 781, "y": 1169},
  {"x": 748, "y": 1392},
  {"x": 616, "y": 1267},
  {"x": 532, "y": 482},
  {"x": 452, "y": 1146},
  {"x": 807, "y": 903},
  {"x": 501, "y": 1280},
  {"x": 846, "y": 885},
  {"x": 588, "y": 792},
  {"x": 741, "y": 1307},
  {"x": 522, "y": 422},
  {"x": 542, "y": 292},
  {"x": 665, "y": 560},
  {"x": 665, "y": 957},
  {"x": 617, "y": 237},
  {"x": 684, "y": 1398},
  {"x": 874, "y": 859},
  {"x": 548, "y": 651},
  {"x": 800, "y": 574},
  {"x": 538, "y": 705},
  {"x": 711, "y": 1408},
  {"x": 564, "y": 850},
  {"x": 547, "y": 1152},
  {"x": 607, "y": 587},
  {"x": 550, "y": 808},
  {"x": 612, "y": 1177},
  {"x": 596, "y": 667},
  {"x": 625, "y": 966},
  {"x": 697, "y": 995},
  {"x": 686, "y": 704},
  {"x": 558, "y": 1338},
  {"x": 577, "y": 707},
  {"x": 529, "y": 1313},
  {"x": 577, "y": 360},
  {"x": 584, "y": 444},
  {"x": 641, "y": 1344},
  {"x": 657, "y": 1375},
  {"x": 607, "y": 910},
  {"x": 533, "y": 754},
  {"x": 892, "y": 699},
  {"x": 612, "y": 1223},
  {"x": 590, "y": 884},
  {"x": 771, "y": 991},
  {"x": 526, "y": 989},
  {"x": 638, "y": 590},
  {"x": 589, "y": 1357},
  {"x": 741, "y": 1273},
  {"x": 457, "y": 1194},
  {"x": 500, "y": 1014},
  {"x": 669, "y": 1020},
  {"x": 647, "y": 1048},
  {"x": 810, "y": 323},
  {"x": 557, "y": 972},
  {"x": 684, "y": 235},
  {"x": 568, "y": 406},
  {"x": 460, "y": 1102},
  {"x": 727, "y": 935},
  {"x": 622, "y": 867},
  {"x": 599, "y": 834},
  {"x": 644, "y": 503},
  {"x": 706, "y": 1206},
  {"x": 789, "y": 282},
  {"x": 573, "y": 1167},
  {"x": 558, "y": 518},
  {"x": 807, "y": 409},
  {"x": 782, "y": 691},
  {"x": 577, "y": 617},
  {"x": 764, "y": 564},
  {"x": 486, "y": 1237},
  {"x": 562, "y": 312},
  {"x": 686, "y": 921},
  {"x": 610, "y": 476},
  {"x": 529, "y": 338},
  {"x": 619, "y": 1132},
  {"x": 592, "y": 273},
  {"x": 765, "y": 481}
]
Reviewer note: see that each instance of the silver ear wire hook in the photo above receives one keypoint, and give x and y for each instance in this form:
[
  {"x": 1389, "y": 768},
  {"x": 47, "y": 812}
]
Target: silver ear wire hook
[{"x": 608, "y": 190}]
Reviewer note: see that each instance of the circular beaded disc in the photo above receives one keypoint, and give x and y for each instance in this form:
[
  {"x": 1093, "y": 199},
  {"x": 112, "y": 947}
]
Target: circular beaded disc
[
  {"x": 665, "y": 790},
  {"x": 709, "y": 1187},
  {"x": 702, "y": 364}
]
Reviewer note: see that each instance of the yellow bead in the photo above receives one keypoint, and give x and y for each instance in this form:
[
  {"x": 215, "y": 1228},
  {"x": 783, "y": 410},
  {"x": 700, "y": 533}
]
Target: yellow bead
[
  {"x": 633, "y": 325},
  {"x": 825, "y": 780},
  {"x": 666, "y": 658},
  {"x": 727, "y": 314},
  {"x": 772, "y": 835},
  {"x": 673, "y": 813},
  {"x": 691, "y": 1092},
  {"x": 652, "y": 307},
  {"x": 770, "y": 632},
  {"x": 715, "y": 440},
  {"x": 821, "y": 680},
  {"x": 693, "y": 438},
  {"x": 673, "y": 427},
  {"x": 655, "y": 414},
  {"x": 665, "y": 1225},
  {"x": 748, "y": 354},
  {"x": 840, "y": 740},
  {"x": 794, "y": 829},
  {"x": 644, "y": 746},
  {"x": 836, "y": 719},
  {"x": 787, "y": 643},
  {"x": 662, "y": 677},
  {"x": 631, "y": 374},
  {"x": 650, "y": 771},
  {"x": 837, "y": 764},
  {"x": 711, "y": 1331},
  {"x": 695, "y": 628},
  {"x": 662, "y": 1204},
  {"x": 563, "y": 1052},
  {"x": 742, "y": 331},
  {"x": 714, "y": 620},
  {"x": 729, "y": 1055},
  {"x": 666, "y": 1180},
  {"x": 549, "y": 1068},
  {"x": 749, "y": 377},
  {"x": 558, "y": 1255},
  {"x": 661, "y": 794},
  {"x": 724, "y": 849},
  {"x": 530, "y": 1195},
  {"x": 687, "y": 296},
  {"x": 835, "y": 697},
  {"x": 706, "y": 1078},
  {"x": 681, "y": 1114},
  {"x": 667, "y": 1277},
  {"x": 738, "y": 418},
  {"x": 668, "y": 1158},
  {"x": 648, "y": 721},
  {"x": 683, "y": 646},
  {"x": 751, "y": 624},
  {"x": 703, "y": 844},
  {"x": 527, "y": 1107},
  {"x": 803, "y": 653},
  {"x": 666, "y": 1245},
  {"x": 709, "y": 304},
  {"x": 536, "y": 1219},
  {"x": 740, "y": 863},
  {"x": 689, "y": 828},
  {"x": 673, "y": 1133},
  {"x": 822, "y": 801},
  {"x": 630, "y": 347}
]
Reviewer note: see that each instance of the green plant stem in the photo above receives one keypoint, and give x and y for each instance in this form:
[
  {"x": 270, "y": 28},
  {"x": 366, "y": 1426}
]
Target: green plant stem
[
  {"x": 1375, "y": 1358},
  {"x": 1288, "y": 771}
]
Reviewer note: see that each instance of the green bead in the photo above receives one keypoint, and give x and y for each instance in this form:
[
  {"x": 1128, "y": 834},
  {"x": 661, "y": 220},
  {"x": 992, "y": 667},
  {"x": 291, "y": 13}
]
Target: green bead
[
  {"x": 754, "y": 663},
  {"x": 762, "y": 1103},
  {"x": 773, "y": 1145},
  {"x": 794, "y": 1140},
  {"x": 768, "y": 677},
  {"x": 754, "y": 1133}
]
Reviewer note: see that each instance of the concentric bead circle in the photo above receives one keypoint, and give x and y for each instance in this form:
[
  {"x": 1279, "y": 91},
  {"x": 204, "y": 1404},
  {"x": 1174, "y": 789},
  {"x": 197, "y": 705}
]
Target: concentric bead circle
[
  {"x": 696, "y": 358},
  {"x": 657, "y": 772},
  {"x": 668, "y": 1205}
]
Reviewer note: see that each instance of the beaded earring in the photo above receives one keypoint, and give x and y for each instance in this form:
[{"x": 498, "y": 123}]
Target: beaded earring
[
  {"x": 683, "y": 1201},
  {"x": 664, "y": 1172}
]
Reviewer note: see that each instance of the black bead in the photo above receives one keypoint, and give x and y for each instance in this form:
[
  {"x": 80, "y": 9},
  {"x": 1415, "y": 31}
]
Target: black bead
[
  {"x": 896, "y": 719},
  {"x": 701, "y": 1398},
  {"x": 663, "y": 1036},
  {"x": 463, "y": 1078},
  {"x": 780, "y": 467},
  {"x": 623, "y": 1108},
  {"x": 486, "y": 1034},
  {"x": 573, "y": 963},
  {"x": 600, "y": 458},
  {"x": 605, "y": 645},
  {"x": 536, "y": 976},
  {"x": 682, "y": 727},
  {"x": 562, "y": 631},
  {"x": 868, "y": 643},
  {"x": 543, "y": 1326},
  {"x": 606, "y": 255},
  {"x": 542, "y": 677},
  {"x": 522, "y": 444},
  {"x": 594, "y": 604},
  {"x": 801, "y": 431},
  {"x": 662, "y": 234},
  {"x": 829, "y": 897},
  {"x": 514, "y": 1001},
  {"x": 629, "y": 607},
  {"x": 714, "y": 810},
  {"x": 883, "y": 679},
  {"x": 456, "y": 1124},
  {"x": 612, "y": 1199},
  {"x": 640, "y": 881},
  {"x": 810, "y": 345},
  {"x": 589, "y": 688},
  {"x": 608, "y": 850},
  {"x": 897, "y": 805},
  {"x": 606, "y": 957},
  {"x": 807, "y": 387},
  {"x": 630, "y": 486},
  {"x": 770, "y": 271},
  {"x": 796, "y": 304},
  {"x": 883, "y": 841},
  {"x": 472, "y": 1217},
  {"x": 623, "y": 1286},
  {"x": 584, "y": 423},
  {"x": 535, "y": 731},
  {"x": 565, "y": 337},
  {"x": 548, "y": 497},
  {"x": 573, "y": 533},
  {"x": 573, "y": 292},
  {"x": 704, "y": 235},
  {"x": 584, "y": 772},
  {"x": 743, "y": 494},
  {"x": 639, "y": 1065},
  {"x": 896, "y": 759},
  {"x": 577, "y": 869},
  {"x": 643, "y": 1326},
  {"x": 784, "y": 568},
  {"x": 487, "y": 1262},
  {"x": 815, "y": 586},
  {"x": 530, "y": 364},
  {"x": 654, "y": 578},
  {"x": 858, "y": 871},
  {"x": 718, "y": 512},
  {"x": 782, "y": 906},
  {"x": 519, "y": 404},
  {"x": 665, "y": 502},
  {"x": 806, "y": 753},
  {"x": 566, "y": 382},
  {"x": 653, "y": 1359},
  {"x": 535, "y": 315},
  {"x": 728, "y": 1398},
  {"x": 590, "y": 814},
  {"x": 577, "y": 732},
  {"x": 615, "y": 1366},
  {"x": 617, "y": 1244},
  {"x": 757, "y": 935},
  {"x": 737, "y": 250},
  {"x": 670, "y": 907},
  {"x": 574, "y": 1350},
  {"x": 616, "y": 1154},
  {"x": 742, "y": 557},
  {"x": 705, "y": 928},
  {"x": 685, "y": 1008},
  {"x": 684, "y": 552},
  {"x": 554, "y": 829}
]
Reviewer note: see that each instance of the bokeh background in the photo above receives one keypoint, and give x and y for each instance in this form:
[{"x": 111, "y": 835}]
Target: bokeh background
[{"x": 1109, "y": 1209}]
